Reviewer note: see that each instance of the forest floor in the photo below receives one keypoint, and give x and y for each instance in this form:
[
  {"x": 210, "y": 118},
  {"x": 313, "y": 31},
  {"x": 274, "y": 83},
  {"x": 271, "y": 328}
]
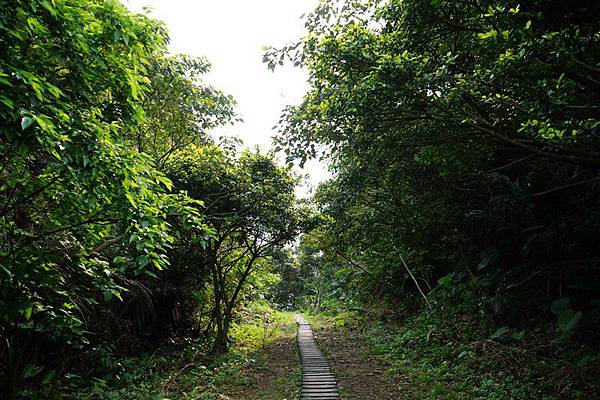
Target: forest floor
[
  {"x": 275, "y": 372},
  {"x": 418, "y": 359},
  {"x": 262, "y": 364},
  {"x": 371, "y": 361},
  {"x": 361, "y": 374}
]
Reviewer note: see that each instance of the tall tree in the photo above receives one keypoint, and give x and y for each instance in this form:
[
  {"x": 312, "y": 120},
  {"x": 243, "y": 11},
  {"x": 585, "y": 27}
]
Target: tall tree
[
  {"x": 179, "y": 108},
  {"x": 250, "y": 204}
]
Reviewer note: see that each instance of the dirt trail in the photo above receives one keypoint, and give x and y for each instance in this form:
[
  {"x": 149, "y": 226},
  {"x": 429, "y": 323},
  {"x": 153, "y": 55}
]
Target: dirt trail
[
  {"x": 360, "y": 375},
  {"x": 275, "y": 374}
]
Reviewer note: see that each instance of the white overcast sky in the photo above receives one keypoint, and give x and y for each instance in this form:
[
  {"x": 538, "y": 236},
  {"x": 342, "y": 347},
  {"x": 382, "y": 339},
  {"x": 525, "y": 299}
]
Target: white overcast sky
[{"x": 232, "y": 34}]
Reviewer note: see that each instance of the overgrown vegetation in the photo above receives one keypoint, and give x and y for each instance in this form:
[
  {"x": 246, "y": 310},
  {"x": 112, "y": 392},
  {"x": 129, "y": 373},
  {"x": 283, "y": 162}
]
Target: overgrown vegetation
[
  {"x": 439, "y": 359},
  {"x": 180, "y": 369},
  {"x": 464, "y": 141},
  {"x": 123, "y": 223}
]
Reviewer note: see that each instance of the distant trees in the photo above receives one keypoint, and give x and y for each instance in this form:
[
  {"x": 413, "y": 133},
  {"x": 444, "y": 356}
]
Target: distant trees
[{"x": 465, "y": 140}]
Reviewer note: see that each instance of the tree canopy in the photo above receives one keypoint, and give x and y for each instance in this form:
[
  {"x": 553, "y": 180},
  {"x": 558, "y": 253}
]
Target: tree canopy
[
  {"x": 464, "y": 138},
  {"x": 84, "y": 212}
]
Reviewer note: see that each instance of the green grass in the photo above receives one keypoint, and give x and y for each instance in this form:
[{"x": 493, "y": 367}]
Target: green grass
[{"x": 259, "y": 326}]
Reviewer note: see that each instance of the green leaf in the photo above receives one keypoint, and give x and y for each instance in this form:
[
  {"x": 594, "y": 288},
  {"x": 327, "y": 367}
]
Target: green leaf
[
  {"x": 500, "y": 332},
  {"x": 445, "y": 281},
  {"x": 4, "y": 80},
  {"x": 26, "y": 122},
  {"x": 568, "y": 320},
  {"x": 518, "y": 335},
  {"x": 559, "y": 306},
  {"x": 8, "y": 102},
  {"x": 31, "y": 371},
  {"x": 48, "y": 377},
  {"x": 143, "y": 261},
  {"x": 129, "y": 197},
  {"x": 28, "y": 311}
]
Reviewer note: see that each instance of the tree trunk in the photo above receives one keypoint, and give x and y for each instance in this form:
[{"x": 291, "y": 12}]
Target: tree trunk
[
  {"x": 220, "y": 345},
  {"x": 319, "y": 294}
]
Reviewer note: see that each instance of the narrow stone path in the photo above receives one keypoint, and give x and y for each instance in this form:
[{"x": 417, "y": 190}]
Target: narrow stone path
[{"x": 318, "y": 382}]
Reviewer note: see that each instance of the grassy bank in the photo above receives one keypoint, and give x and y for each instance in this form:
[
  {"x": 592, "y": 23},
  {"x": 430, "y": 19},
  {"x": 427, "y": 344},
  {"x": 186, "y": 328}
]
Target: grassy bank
[{"x": 433, "y": 359}]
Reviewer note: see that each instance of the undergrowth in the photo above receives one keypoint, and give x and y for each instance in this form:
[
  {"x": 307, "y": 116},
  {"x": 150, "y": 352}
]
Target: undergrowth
[
  {"x": 179, "y": 370},
  {"x": 452, "y": 356}
]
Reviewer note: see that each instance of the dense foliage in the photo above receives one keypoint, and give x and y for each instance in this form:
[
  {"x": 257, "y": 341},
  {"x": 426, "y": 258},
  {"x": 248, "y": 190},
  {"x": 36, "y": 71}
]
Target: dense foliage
[
  {"x": 249, "y": 202},
  {"x": 99, "y": 253},
  {"x": 72, "y": 76},
  {"x": 180, "y": 109},
  {"x": 464, "y": 141}
]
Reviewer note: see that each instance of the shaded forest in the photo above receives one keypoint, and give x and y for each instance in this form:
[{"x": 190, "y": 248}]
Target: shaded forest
[{"x": 143, "y": 258}]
